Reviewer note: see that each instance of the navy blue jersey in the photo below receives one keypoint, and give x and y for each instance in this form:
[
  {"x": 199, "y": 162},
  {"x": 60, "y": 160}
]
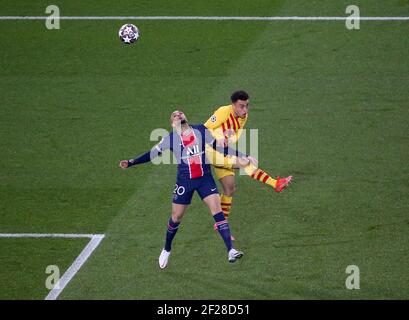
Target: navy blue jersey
[{"x": 188, "y": 148}]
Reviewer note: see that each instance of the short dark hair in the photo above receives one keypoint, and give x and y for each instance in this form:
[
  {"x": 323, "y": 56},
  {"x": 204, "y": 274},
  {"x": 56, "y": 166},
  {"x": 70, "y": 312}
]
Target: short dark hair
[{"x": 239, "y": 95}]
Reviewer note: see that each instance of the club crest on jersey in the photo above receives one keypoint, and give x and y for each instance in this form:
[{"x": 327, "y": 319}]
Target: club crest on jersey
[{"x": 213, "y": 118}]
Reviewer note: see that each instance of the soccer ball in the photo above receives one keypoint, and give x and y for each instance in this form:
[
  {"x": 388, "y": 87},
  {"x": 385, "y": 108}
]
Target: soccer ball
[{"x": 128, "y": 33}]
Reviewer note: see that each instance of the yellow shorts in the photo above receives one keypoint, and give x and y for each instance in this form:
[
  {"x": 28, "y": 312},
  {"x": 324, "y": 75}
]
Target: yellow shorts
[
  {"x": 222, "y": 172},
  {"x": 223, "y": 165}
]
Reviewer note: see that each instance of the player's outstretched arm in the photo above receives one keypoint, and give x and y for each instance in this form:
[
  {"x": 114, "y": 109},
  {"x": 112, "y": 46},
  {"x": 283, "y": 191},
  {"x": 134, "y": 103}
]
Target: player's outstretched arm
[{"x": 148, "y": 156}]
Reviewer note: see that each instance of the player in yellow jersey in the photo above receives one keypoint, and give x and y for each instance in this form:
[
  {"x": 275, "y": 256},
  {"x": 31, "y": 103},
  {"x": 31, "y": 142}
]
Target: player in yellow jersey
[{"x": 226, "y": 125}]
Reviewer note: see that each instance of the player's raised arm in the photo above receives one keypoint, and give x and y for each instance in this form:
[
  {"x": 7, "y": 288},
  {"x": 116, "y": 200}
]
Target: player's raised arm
[{"x": 157, "y": 150}]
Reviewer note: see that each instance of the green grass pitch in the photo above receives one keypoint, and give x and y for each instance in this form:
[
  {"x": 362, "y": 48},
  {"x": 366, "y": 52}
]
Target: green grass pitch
[{"x": 331, "y": 107}]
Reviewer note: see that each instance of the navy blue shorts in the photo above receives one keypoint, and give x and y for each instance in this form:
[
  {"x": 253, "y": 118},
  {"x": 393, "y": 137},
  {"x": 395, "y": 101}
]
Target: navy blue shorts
[{"x": 184, "y": 189}]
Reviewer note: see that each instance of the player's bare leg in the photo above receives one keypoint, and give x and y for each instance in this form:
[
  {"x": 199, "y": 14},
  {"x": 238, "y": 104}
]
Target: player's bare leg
[
  {"x": 213, "y": 202},
  {"x": 178, "y": 210},
  {"x": 228, "y": 184}
]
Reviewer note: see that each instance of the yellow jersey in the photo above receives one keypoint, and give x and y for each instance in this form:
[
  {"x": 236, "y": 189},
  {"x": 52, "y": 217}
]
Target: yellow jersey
[{"x": 224, "y": 125}]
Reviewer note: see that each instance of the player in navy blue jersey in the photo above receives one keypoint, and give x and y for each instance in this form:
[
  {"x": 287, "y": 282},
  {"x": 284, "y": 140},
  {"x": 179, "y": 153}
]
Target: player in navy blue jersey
[{"x": 190, "y": 144}]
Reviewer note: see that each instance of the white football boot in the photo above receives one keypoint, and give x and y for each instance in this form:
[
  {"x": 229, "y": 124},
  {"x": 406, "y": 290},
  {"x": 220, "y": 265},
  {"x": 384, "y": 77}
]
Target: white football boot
[
  {"x": 234, "y": 255},
  {"x": 163, "y": 259}
]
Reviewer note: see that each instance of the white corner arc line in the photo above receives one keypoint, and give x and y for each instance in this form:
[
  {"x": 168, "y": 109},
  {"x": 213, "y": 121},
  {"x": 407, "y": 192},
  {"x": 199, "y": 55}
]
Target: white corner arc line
[
  {"x": 75, "y": 266},
  {"x": 217, "y": 18}
]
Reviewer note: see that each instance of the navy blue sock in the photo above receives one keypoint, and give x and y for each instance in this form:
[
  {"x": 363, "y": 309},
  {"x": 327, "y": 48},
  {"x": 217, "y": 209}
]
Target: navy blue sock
[
  {"x": 170, "y": 233},
  {"x": 223, "y": 228}
]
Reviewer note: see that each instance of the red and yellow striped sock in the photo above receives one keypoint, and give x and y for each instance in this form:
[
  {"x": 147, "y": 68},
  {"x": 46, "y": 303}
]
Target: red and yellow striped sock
[
  {"x": 260, "y": 175},
  {"x": 226, "y": 202}
]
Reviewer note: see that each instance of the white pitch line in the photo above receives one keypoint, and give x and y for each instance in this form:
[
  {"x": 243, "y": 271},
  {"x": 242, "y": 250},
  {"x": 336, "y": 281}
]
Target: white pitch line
[
  {"x": 75, "y": 266},
  {"x": 217, "y": 18},
  {"x": 45, "y": 235}
]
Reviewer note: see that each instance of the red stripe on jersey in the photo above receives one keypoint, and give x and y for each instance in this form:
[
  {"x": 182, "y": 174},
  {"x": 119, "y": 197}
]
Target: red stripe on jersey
[
  {"x": 238, "y": 123},
  {"x": 259, "y": 175},
  {"x": 194, "y": 162},
  {"x": 228, "y": 124},
  {"x": 223, "y": 128},
  {"x": 266, "y": 178},
  {"x": 234, "y": 122},
  {"x": 225, "y": 204},
  {"x": 188, "y": 140},
  {"x": 195, "y": 167}
]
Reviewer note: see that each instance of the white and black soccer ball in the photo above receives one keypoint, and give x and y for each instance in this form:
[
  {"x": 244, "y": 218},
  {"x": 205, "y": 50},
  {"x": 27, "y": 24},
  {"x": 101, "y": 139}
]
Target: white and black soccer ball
[{"x": 128, "y": 33}]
